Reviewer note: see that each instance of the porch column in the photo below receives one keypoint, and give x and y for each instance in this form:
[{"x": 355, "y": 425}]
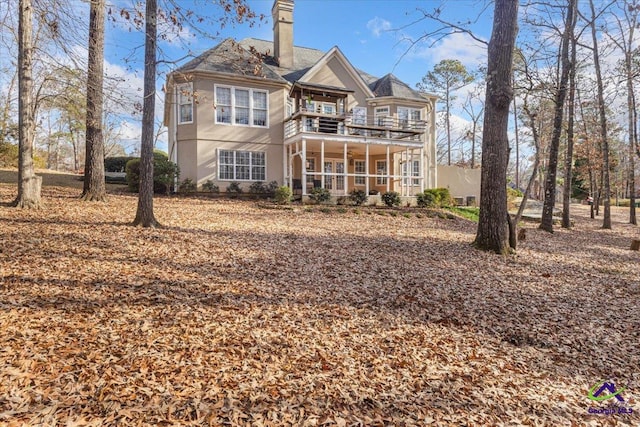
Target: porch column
[
  {"x": 409, "y": 172},
  {"x": 322, "y": 162},
  {"x": 346, "y": 168},
  {"x": 304, "y": 166},
  {"x": 388, "y": 169},
  {"x": 422, "y": 183},
  {"x": 290, "y": 163},
  {"x": 285, "y": 168},
  {"x": 366, "y": 167}
]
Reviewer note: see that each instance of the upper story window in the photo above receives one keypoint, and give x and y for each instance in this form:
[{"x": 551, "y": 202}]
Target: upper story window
[
  {"x": 359, "y": 115},
  {"x": 241, "y": 106},
  {"x": 409, "y": 117},
  {"x": 185, "y": 103},
  {"x": 382, "y": 116}
]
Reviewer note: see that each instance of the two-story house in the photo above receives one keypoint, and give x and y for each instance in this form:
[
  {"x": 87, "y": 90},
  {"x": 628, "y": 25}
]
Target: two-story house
[{"x": 266, "y": 111}]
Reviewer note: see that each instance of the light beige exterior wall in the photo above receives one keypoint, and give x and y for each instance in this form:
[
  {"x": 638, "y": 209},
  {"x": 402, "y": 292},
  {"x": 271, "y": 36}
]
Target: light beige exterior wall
[
  {"x": 335, "y": 74},
  {"x": 202, "y": 139},
  {"x": 461, "y": 182}
]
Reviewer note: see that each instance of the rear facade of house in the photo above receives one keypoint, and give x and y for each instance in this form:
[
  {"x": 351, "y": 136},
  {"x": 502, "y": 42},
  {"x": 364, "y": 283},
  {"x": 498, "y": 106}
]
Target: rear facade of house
[{"x": 261, "y": 111}]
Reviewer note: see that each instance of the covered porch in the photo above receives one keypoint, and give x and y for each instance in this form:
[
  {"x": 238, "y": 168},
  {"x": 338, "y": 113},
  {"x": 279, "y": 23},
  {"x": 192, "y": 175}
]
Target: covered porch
[{"x": 341, "y": 166}]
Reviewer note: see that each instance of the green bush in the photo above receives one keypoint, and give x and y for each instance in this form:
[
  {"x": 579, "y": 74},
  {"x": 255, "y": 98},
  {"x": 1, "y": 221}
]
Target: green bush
[
  {"x": 271, "y": 188},
  {"x": 210, "y": 186},
  {"x": 165, "y": 173},
  {"x": 320, "y": 195},
  {"x": 234, "y": 189},
  {"x": 391, "y": 198},
  {"x": 426, "y": 200},
  {"x": 435, "y": 198},
  {"x": 283, "y": 195},
  {"x": 358, "y": 197},
  {"x": 117, "y": 164},
  {"x": 257, "y": 188},
  {"x": 187, "y": 186}
]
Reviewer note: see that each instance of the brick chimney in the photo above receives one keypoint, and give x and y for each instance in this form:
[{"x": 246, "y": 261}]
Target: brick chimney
[{"x": 282, "y": 13}]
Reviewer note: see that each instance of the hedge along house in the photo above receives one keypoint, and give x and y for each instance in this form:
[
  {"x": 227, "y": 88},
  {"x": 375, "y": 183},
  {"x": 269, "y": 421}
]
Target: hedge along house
[{"x": 256, "y": 110}]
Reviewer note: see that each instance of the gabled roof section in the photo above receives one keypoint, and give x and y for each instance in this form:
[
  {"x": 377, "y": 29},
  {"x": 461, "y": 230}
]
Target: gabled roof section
[
  {"x": 391, "y": 86},
  {"x": 335, "y": 52},
  {"x": 230, "y": 57}
]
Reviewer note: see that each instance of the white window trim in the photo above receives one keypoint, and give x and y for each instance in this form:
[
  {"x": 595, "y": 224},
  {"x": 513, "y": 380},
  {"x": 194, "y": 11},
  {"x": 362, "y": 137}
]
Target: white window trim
[
  {"x": 187, "y": 87},
  {"x": 233, "y": 106},
  {"x": 360, "y": 174},
  {"x": 382, "y": 180},
  {"x": 415, "y": 173},
  {"x": 235, "y": 164},
  {"x": 409, "y": 120},
  {"x": 357, "y": 117}
]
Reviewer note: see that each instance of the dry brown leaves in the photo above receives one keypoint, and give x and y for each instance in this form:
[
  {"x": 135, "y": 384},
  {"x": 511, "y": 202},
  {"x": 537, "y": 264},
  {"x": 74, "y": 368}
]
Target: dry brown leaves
[{"x": 237, "y": 315}]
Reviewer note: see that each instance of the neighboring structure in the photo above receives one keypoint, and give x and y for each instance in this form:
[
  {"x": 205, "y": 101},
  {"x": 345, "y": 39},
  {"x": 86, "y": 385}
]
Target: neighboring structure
[{"x": 268, "y": 111}]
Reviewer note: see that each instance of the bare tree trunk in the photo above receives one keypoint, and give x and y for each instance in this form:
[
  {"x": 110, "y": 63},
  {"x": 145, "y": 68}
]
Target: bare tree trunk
[
  {"x": 568, "y": 161},
  {"x": 536, "y": 164},
  {"x": 606, "y": 181},
  {"x": 94, "y": 186},
  {"x": 29, "y": 185},
  {"x": 554, "y": 147},
  {"x": 517, "y": 138},
  {"x": 493, "y": 229},
  {"x": 144, "y": 214},
  {"x": 448, "y": 124}
]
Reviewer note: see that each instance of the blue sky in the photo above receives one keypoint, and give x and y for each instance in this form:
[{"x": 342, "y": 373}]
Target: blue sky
[{"x": 372, "y": 34}]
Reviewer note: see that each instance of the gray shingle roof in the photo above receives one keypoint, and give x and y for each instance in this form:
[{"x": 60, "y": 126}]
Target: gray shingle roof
[
  {"x": 241, "y": 58},
  {"x": 390, "y": 85}
]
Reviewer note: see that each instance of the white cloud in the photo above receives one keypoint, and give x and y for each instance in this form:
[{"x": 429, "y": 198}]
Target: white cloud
[
  {"x": 455, "y": 46},
  {"x": 378, "y": 25}
]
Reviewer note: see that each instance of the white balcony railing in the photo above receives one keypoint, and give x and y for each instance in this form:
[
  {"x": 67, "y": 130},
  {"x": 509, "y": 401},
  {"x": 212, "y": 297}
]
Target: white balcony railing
[{"x": 386, "y": 127}]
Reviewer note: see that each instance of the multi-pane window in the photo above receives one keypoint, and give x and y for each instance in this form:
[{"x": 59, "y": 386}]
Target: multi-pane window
[
  {"x": 408, "y": 117},
  {"x": 223, "y": 105},
  {"x": 185, "y": 104},
  {"x": 381, "y": 169},
  {"x": 360, "y": 169},
  {"x": 359, "y": 115},
  {"x": 415, "y": 172},
  {"x": 259, "y": 108},
  {"x": 382, "y": 116},
  {"x": 242, "y": 165},
  {"x": 239, "y": 106}
]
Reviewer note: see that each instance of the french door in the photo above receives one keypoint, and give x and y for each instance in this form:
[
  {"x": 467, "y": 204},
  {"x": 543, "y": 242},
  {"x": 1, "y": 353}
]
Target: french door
[{"x": 334, "y": 182}]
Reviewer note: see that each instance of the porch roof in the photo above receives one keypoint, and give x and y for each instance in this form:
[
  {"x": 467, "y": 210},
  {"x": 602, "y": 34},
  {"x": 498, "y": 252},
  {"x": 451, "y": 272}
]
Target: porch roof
[{"x": 330, "y": 91}]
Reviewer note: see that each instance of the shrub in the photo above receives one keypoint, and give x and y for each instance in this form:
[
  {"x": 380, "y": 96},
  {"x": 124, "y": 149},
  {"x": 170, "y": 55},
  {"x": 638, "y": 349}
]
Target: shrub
[
  {"x": 373, "y": 192},
  {"x": 426, "y": 200},
  {"x": 187, "y": 186},
  {"x": 257, "y": 188},
  {"x": 165, "y": 173},
  {"x": 210, "y": 186},
  {"x": 234, "y": 189},
  {"x": 116, "y": 164},
  {"x": 391, "y": 198},
  {"x": 358, "y": 197},
  {"x": 8, "y": 154},
  {"x": 282, "y": 195},
  {"x": 434, "y": 198},
  {"x": 271, "y": 188},
  {"x": 320, "y": 195}
]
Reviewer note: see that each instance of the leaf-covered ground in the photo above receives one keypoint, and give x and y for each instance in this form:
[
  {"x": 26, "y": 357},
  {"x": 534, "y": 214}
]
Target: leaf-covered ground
[{"x": 238, "y": 315}]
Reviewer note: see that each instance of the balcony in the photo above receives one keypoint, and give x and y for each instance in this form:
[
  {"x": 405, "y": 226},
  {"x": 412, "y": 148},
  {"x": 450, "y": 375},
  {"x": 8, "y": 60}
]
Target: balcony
[{"x": 363, "y": 127}]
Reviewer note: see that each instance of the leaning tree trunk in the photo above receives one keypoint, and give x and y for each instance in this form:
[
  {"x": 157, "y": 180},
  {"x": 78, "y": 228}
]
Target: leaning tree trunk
[
  {"x": 94, "y": 186},
  {"x": 144, "y": 214},
  {"x": 492, "y": 233},
  {"x": 554, "y": 147},
  {"x": 29, "y": 185}
]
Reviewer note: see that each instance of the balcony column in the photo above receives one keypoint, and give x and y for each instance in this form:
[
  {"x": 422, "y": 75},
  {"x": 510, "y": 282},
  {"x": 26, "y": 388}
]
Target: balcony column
[{"x": 409, "y": 172}]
